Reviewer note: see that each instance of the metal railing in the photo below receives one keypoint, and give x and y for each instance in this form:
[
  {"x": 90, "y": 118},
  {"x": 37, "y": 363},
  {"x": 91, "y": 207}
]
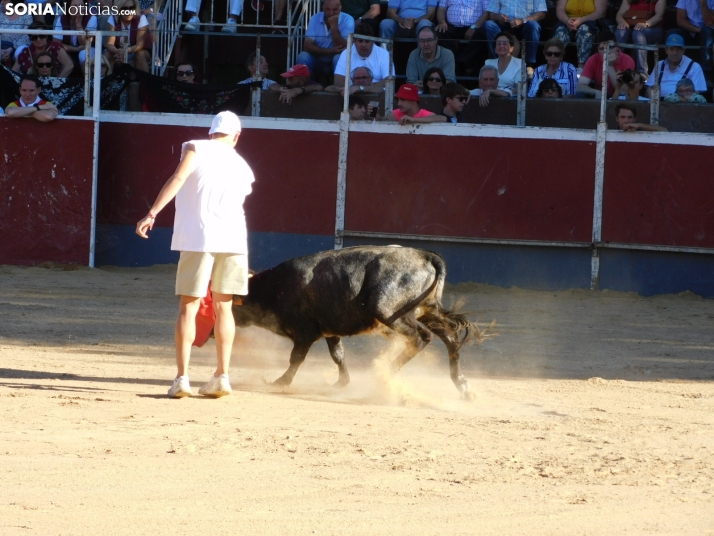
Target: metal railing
[{"x": 165, "y": 35}]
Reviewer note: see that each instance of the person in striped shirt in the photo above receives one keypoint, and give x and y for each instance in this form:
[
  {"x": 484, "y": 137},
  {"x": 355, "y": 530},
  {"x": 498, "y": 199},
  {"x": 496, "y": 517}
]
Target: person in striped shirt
[{"x": 561, "y": 71}]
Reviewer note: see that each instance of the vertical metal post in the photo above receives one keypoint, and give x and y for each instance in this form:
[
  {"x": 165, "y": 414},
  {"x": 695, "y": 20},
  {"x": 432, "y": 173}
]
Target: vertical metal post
[
  {"x": 521, "y": 110},
  {"x": 87, "y": 77},
  {"x": 389, "y": 85},
  {"x": 601, "y": 141},
  {"x": 654, "y": 91},
  {"x": 255, "y": 92},
  {"x": 342, "y": 156},
  {"x": 96, "y": 103}
]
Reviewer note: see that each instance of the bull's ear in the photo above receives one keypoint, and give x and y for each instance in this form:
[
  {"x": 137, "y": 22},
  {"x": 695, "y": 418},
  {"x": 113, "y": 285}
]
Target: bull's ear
[{"x": 237, "y": 300}]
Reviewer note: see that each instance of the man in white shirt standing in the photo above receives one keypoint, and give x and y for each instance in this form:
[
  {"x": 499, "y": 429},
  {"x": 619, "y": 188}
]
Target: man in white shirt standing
[
  {"x": 365, "y": 54},
  {"x": 210, "y": 186}
]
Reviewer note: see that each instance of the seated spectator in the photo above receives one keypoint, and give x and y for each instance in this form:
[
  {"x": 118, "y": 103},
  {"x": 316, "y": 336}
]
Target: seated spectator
[
  {"x": 434, "y": 80},
  {"x": 30, "y": 104},
  {"x": 297, "y": 82},
  {"x": 105, "y": 69},
  {"x": 357, "y": 108},
  {"x": 626, "y": 115},
  {"x": 193, "y": 7},
  {"x": 549, "y": 88},
  {"x": 454, "y": 97},
  {"x": 185, "y": 73},
  {"x": 677, "y": 66},
  {"x": 577, "y": 22},
  {"x": 366, "y": 11},
  {"x": 685, "y": 92},
  {"x": 555, "y": 68},
  {"x": 406, "y": 18},
  {"x": 44, "y": 65},
  {"x": 629, "y": 86},
  {"x": 488, "y": 86},
  {"x": 429, "y": 54},
  {"x": 361, "y": 81},
  {"x": 695, "y": 21},
  {"x": 74, "y": 45},
  {"x": 365, "y": 54},
  {"x": 408, "y": 110},
  {"x": 519, "y": 17},
  {"x": 43, "y": 43},
  {"x": 137, "y": 46},
  {"x": 252, "y": 65},
  {"x": 590, "y": 83},
  {"x": 12, "y": 44},
  {"x": 326, "y": 38},
  {"x": 509, "y": 68},
  {"x": 462, "y": 20},
  {"x": 640, "y": 22}
]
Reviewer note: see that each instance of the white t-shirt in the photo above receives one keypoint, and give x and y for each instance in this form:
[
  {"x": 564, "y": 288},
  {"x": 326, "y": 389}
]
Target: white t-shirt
[
  {"x": 511, "y": 76},
  {"x": 209, "y": 205},
  {"x": 91, "y": 25},
  {"x": 377, "y": 62},
  {"x": 668, "y": 84}
]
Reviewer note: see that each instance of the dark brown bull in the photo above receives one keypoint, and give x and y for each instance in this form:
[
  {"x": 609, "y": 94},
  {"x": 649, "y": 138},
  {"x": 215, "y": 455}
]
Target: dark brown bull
[{"x": 345, "y": 292}]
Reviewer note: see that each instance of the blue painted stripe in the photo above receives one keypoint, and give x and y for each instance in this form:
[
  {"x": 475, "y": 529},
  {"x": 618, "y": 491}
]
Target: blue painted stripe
[
  {"x": 538, "y": 268},
  {"x": 654, "y": 272},
  {"x": 119, "y": 245}
]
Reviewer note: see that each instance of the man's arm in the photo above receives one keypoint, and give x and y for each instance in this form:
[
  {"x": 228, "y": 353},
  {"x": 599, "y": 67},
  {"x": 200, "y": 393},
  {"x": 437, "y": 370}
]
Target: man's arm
[
  {"x": 585, "y": 89},
  {"x": 392, "y": 14},
  {"x": 430, "y": 10},
  {"x": 310, "y": 46},
  {"x": 707, "y": 14},
  {"x": 374, "y": 11},
  {"x": 169, "y": 191},
  {"x": 412, "y": 72},
  {"x": 644, "y": 127},
  {"x": 433, "y": 118},
  {"x": 683, "y": 21},
  {"x": 16, "y": 112},
  {"x": 46, "y": 112},
  {"x": 440, "y": 19},
  {"x": 449, "y": 66}
]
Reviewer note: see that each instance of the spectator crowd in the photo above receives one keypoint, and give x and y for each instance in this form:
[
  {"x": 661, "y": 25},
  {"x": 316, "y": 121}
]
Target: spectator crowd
[{"x": 455, "y": 41}]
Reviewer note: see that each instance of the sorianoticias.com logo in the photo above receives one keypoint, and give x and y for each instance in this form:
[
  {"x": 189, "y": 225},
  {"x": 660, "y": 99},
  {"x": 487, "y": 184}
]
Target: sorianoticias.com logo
[{"x": 48, "y": 8}]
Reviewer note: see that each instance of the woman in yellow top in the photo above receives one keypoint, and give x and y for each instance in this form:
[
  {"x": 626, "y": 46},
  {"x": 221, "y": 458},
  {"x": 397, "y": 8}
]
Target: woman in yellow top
[
  {"x": 577, "y": 20},
  {"x": 640, "y": 21}
]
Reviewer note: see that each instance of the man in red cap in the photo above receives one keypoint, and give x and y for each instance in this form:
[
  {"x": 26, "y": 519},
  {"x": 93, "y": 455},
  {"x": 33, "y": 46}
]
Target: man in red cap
[
  {"x": 297, "y": 82},
  {"x": 408, "y": 111}
]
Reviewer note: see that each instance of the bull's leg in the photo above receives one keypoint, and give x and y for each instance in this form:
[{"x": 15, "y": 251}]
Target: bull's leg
[
  {"x": 337, "y": 351},
  {"x": 460, "y": 381},
  {"x": 417, "y": 336},
  {"x": 297, "y": 356}
]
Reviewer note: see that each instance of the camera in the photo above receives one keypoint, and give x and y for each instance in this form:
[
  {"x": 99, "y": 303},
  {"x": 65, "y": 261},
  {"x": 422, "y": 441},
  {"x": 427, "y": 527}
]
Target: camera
[{"x": 628, "y": 77}]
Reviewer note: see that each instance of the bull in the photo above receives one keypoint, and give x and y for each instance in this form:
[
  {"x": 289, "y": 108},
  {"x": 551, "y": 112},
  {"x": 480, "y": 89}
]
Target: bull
[{"x": 339, "y": 293}]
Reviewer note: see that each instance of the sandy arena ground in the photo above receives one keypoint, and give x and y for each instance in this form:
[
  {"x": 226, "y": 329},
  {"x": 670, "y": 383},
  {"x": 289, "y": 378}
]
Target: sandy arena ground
[{"x": 594, "y": 415}]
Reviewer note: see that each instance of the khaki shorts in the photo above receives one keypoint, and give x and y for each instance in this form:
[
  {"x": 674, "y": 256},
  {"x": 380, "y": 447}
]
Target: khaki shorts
[{"x": 228, "y": 273}]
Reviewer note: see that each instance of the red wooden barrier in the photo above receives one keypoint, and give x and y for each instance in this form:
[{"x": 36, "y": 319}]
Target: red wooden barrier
[{"x": 45, "y": 191}]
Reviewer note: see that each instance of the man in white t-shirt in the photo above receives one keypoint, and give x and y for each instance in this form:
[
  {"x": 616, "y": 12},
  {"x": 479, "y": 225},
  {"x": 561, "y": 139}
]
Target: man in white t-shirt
[
  {"x": 365, "y": 54},
  {"x": 210, "y": 186}
]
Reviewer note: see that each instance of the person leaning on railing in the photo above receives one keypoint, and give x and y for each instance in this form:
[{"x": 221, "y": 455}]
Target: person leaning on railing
[
  {"x": 640, "y": 21},
  {"x": 365, "y": 54},
  {"x": 488, "y": 86},
  {"x": 297, "y": 82},
  {"x": 626, "y": 115},
  {"x": 362, "y": 81},
  {"x": 30, "y": 104}
]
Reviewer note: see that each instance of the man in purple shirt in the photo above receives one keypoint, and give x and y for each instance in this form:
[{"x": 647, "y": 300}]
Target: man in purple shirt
[{"x": 695, "y": 21}]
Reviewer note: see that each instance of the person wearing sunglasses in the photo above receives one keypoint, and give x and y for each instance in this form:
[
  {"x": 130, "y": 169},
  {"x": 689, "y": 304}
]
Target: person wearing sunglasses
[
  {"x": 454, "y": 97},
  {"x": 685, "y": 93},
  {"x": 427, "y": 55},
  {"x": 185, "y": 73},
  {"x": 44, "y": 65},
  {"x": 561, "y": 71},
  {"x": 43, "y": 43},
  {"x": 137, "y": 45},
  {"x": 434, "y": 80},
  {"x": 30, "y": 104},
  {"x": 549, "y": 89}
]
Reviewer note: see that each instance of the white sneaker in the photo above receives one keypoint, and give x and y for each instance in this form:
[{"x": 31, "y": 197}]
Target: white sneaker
[
  {"x": 180, "y": 388},
  {"x": 192, "y": 24},
  {"x": 216, "y": 387},
  {"x": 230, "y": 27}
]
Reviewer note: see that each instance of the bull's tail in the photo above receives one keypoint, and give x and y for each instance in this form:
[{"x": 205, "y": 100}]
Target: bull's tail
[{"x": 455, "y": 326}]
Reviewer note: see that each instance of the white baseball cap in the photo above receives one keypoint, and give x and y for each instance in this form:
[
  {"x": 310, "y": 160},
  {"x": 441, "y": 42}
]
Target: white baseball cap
[{"x": 225, "y": 123}]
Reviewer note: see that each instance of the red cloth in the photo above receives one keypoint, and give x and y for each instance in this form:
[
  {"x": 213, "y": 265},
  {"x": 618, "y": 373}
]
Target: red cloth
[{"x": 205, "y": 319}]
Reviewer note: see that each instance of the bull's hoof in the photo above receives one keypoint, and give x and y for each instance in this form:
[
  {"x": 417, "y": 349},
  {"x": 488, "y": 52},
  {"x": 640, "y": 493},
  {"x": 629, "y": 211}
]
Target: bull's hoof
[
  {"x": 282, "y": 381},
  {"x": 465, "y": 390},
  {"x": 342, "y": 381}
]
